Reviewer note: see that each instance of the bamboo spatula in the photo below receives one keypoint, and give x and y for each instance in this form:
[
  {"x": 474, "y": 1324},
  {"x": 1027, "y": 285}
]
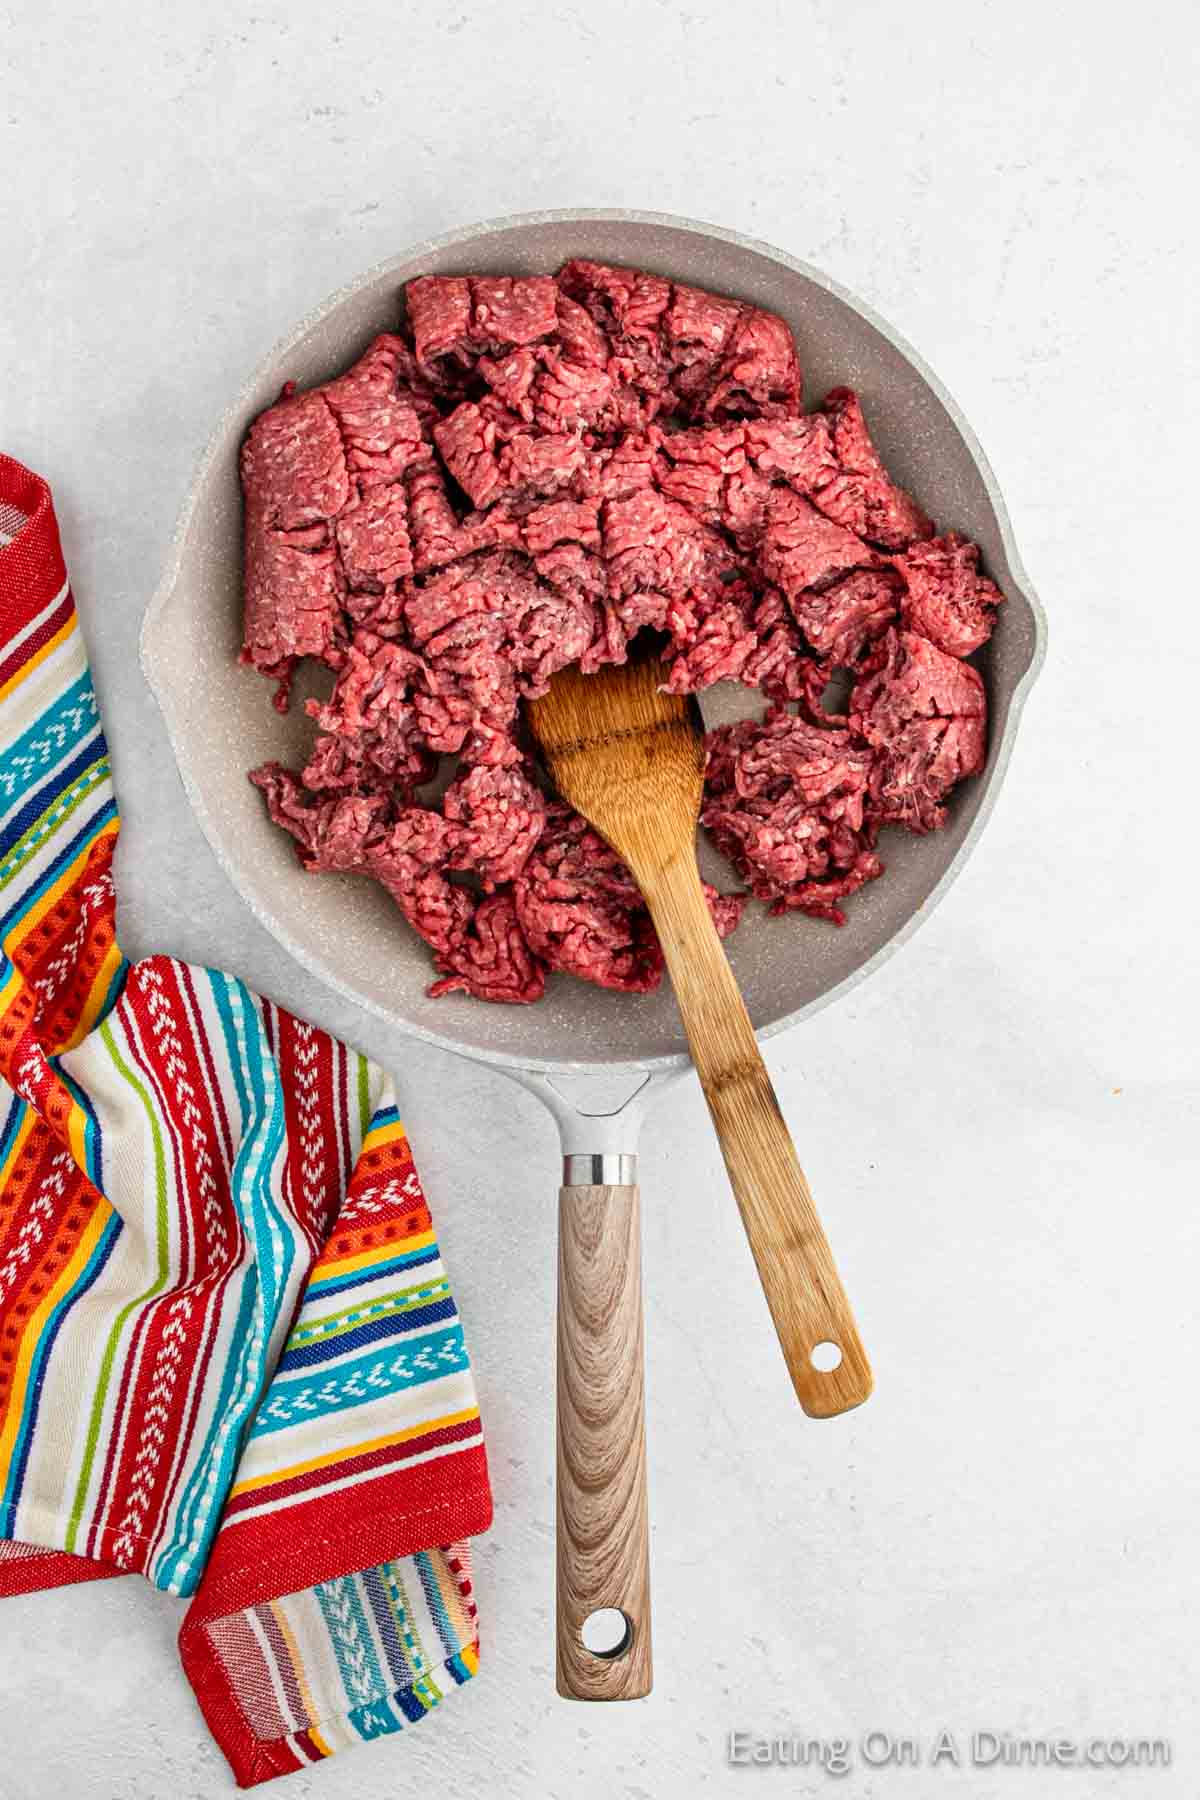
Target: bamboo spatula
[{"x": 631, "y": 760}]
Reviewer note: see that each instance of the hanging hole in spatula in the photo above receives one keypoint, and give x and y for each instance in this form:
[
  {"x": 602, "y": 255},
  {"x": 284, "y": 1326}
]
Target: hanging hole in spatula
[
  {"x": 608, "y": 1632},
  {"x": 825, "y": 1357}
]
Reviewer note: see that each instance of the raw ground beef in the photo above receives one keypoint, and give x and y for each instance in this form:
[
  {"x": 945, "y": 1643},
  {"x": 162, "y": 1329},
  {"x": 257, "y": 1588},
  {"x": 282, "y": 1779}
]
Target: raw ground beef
[
  {"x": 945, "y": 598},
  {"x": 524, "y": 476},
  {"x": 787, "y": 803},
  {"x": 925, "y": 715},
  {"x": 581, "y": 911}
]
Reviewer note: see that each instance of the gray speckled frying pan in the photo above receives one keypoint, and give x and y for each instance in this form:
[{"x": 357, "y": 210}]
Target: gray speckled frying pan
[{"x": 593, "y": 1057}]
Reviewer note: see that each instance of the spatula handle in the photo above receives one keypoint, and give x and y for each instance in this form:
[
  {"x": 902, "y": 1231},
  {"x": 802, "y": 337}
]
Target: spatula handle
[
  {"x": 603, "y": 1547},
  {"x": 795, "y": 1264}
]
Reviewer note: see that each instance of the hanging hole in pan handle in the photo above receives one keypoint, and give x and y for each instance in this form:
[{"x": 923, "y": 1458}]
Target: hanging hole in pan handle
[
  {"x": 607, "y": 1632},
  {"x": 825, "y": 1357}
]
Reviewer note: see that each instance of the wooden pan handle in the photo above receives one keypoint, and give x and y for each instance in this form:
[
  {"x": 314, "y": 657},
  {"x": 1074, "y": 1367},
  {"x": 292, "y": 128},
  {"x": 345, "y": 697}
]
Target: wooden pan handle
[
  {"x": 795, "y": 1264},
  {"x": 603, "y": 1549}
]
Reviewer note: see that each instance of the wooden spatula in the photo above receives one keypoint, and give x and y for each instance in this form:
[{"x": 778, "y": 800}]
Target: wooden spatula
[{"x": 631, "y": 760}]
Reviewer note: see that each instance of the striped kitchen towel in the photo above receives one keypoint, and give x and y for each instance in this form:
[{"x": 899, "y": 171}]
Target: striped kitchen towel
[{"x": 230, "y": 1358}]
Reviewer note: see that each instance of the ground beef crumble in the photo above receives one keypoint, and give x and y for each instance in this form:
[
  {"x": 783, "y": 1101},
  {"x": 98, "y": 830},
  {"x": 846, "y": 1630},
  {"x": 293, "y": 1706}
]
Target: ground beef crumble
[
  {"x": 525, "y": 475},
  {"x": 925, "y": 715},
  {"x": 787, "y": 803}
]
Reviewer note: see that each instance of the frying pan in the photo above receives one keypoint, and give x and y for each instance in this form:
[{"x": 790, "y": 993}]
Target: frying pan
[{"x": 595, "y": 1059}]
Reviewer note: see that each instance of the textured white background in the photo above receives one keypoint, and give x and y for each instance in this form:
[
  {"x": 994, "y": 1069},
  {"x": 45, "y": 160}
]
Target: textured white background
[{"x": 1000, "y": 1126}]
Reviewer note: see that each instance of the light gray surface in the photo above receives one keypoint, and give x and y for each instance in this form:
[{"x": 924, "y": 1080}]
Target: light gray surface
[
  {"x": 1005, "y": 1536},
  {"x": 347, "y": 932}
]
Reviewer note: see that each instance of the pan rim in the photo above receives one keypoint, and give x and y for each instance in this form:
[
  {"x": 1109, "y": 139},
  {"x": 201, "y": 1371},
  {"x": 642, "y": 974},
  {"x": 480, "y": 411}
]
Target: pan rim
[{"x": 169, "y": 580}]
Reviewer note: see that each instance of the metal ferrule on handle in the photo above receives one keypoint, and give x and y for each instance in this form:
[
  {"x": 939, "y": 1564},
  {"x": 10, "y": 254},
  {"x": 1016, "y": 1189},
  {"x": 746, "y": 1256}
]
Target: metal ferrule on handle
[{"x": 606, "y": 1168}]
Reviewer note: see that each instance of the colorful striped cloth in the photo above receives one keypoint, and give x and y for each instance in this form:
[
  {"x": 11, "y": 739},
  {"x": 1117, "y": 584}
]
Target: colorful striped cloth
[{"x": 230, "y": 1359}]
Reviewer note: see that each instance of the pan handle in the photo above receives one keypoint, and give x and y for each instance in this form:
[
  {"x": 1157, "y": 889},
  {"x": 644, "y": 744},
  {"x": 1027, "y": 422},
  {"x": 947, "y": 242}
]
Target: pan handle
[
  {"x": 602, "y": 1532},
  {"x": 602, "y": 1536}
]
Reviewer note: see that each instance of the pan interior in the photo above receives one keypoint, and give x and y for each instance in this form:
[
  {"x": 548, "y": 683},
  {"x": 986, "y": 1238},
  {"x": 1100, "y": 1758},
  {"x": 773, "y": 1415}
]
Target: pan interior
[{"x": 222, "y": 723}]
